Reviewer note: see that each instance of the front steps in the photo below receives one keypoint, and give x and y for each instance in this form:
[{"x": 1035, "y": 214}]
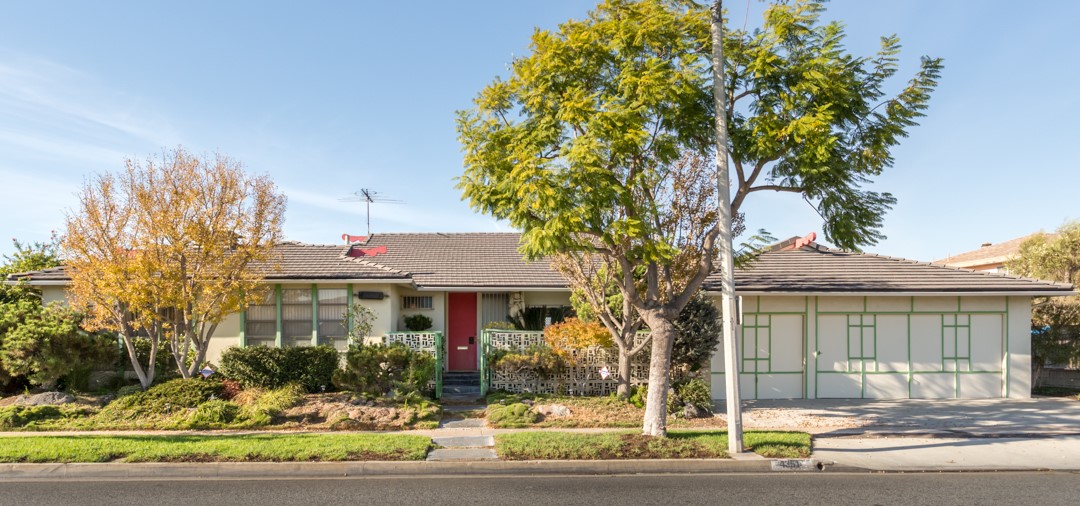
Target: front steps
[{"x": 461, "y": 387}]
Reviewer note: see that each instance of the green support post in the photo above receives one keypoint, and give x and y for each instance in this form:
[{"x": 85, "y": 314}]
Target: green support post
[
  {"x": 277, "y": 298},
  {"x": 439, "y": 358},
  {"x": 483, "y": 362},
  {"x": 314, "y": 314}
]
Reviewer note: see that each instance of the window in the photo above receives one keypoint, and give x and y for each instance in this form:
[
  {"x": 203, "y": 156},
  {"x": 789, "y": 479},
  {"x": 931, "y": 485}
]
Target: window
[
  {"x": 333, "y": 303},
  {"x": 416, "y": 302},
  {"x": 261, "y": 325},
  {"x": 296, "y": 317}
]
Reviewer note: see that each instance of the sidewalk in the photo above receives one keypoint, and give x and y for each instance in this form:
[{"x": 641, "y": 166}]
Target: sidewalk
[{"x": 1060, "y": 453}]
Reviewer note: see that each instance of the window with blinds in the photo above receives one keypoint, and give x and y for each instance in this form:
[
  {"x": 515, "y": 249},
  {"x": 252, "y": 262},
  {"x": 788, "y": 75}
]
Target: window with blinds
[
  {"x": 261, "y": 326},
  {"x": 494, "y": 307},
  {"x": 333, "y": 303},
  {"x": 296, "y": 316},
  {"x": 416, "y": 302}
]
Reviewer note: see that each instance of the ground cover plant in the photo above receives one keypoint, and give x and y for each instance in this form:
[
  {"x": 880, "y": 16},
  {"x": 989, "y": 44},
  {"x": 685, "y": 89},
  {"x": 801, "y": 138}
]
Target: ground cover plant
[
  {"x": 628, "y": 445},
  {"x": 505, "y": 411},
  {"x": 226, "y": 448}
]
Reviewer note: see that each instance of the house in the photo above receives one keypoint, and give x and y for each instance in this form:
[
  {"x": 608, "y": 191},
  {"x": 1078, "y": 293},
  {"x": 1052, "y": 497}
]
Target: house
[
  {"x": 989, "y": 257},
  {"x": 816, "y": 322}
]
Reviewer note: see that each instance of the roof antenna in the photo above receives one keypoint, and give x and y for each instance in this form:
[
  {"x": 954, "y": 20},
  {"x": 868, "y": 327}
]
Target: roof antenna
[{"x": 368, "y": 197}]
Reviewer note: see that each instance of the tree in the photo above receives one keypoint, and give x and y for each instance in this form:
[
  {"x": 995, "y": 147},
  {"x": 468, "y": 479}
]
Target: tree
[
  {"x": 1055, "y": 322},
  {"x": 170, "y": 247},
  {"x": 591, "y": 147},
  {"x": 27, "y": 257}
]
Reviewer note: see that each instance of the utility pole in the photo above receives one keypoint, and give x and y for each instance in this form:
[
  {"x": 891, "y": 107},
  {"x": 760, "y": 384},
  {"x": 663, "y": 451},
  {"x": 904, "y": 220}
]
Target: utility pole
[{"x": 727, "y": 257}]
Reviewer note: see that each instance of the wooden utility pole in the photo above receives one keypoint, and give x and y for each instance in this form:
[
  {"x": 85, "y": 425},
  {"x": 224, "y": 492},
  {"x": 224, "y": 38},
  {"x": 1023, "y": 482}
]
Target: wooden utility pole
[{"x": 727, "y": 257}]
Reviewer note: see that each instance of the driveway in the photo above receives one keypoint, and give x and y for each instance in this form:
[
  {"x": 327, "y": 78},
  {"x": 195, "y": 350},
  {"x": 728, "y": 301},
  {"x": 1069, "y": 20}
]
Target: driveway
[{"x": 1036, "y": 417}]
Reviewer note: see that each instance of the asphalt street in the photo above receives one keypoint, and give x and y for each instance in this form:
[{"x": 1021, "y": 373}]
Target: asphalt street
[{"x": 1044, "y": 489}]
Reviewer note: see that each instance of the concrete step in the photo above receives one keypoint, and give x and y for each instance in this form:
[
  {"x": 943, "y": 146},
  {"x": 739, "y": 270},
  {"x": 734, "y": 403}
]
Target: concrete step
[
  {"x": 457, "y": 408},
  {"x": 467, "y": 423},
  {"x": 461, "y": 389},
  {"x": 464, "y": 441},
  {"x": 462, "y": 454}
]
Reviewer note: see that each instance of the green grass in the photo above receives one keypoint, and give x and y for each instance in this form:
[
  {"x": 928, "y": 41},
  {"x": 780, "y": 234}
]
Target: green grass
[
  {"x": 629, "y": 445},
  {"x": 239, "y": 448}
]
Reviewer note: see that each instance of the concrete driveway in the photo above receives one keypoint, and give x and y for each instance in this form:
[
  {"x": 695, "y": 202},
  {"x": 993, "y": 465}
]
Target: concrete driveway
[{"x": 1036, "y": 417}]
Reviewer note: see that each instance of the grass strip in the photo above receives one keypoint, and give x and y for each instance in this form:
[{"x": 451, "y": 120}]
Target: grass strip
[
  {"x": 233, "y": 448},
  {"x": 630, "y": 445}
]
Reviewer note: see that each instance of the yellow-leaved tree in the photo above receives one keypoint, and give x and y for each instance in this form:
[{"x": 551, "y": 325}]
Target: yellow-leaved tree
[{"x": 169, "y": 247}]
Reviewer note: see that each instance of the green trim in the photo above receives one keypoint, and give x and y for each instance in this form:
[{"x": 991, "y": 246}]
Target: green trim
[
  {"x": 1008, "y": 352},
  {"x": 348, "y": 312},
  {"x": 909, "y": 312},
  {"x": 277, "y": 297},
  {"x": 314, "y": 314},
  {"x": 806, "y": 342}
]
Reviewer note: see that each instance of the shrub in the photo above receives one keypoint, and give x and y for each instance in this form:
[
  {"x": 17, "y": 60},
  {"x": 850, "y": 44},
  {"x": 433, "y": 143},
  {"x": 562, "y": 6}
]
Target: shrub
[
  {"x": 45, "y": 344},
  {"x": 269, "y": 368},
  {"x": 163, "y": 399},
  {"x": 128, "y": 390},
  {"x": 213, "y": 413},
  {"x": 499, "y": 326},
  {"x": 573, "y": 334},
  {"x": 697, "y": 334},
  {"x": 510, "y": 415},
  {"x": 694, "y": 393},
  {"x": 380, "y": 369},
  {"x": 13, "y": 417},
  {"x": 417, "y": 322}
]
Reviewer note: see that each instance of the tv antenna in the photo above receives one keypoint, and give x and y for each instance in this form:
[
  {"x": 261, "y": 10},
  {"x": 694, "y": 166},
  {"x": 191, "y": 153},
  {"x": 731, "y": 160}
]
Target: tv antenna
[{"x": 368, "y": 197}]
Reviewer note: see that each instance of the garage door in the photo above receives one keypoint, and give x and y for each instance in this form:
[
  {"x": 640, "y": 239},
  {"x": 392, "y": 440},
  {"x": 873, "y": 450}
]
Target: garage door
[{"x": 913, "y": 355}]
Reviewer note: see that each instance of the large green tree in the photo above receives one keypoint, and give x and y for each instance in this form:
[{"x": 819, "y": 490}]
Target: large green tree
[
  {"x": 588, "y": 146},
  {"x": 1055, "y": 322}
]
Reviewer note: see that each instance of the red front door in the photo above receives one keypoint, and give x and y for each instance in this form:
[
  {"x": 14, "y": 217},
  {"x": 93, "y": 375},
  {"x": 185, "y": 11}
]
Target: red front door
[{"x": 461, "y": 332}]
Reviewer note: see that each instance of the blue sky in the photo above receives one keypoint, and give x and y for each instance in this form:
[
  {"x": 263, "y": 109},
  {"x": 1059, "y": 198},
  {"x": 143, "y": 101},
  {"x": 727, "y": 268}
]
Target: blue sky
[{"x": 331, "y": 97}]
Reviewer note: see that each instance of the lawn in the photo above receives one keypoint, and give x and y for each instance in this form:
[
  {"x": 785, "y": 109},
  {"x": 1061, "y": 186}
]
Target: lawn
[
  {"x": 629, "y": 445},
  {"x": 232, "y": 448}
]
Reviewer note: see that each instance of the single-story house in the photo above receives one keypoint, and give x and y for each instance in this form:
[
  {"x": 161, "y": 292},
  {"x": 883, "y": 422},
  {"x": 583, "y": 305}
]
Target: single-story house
[
  {"x": 990, "y": 257},
  {"x": 816, "y": 322}
]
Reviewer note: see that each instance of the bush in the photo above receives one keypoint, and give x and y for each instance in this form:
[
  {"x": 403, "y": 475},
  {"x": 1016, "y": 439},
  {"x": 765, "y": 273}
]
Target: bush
[
  {"x": 417, "y": 323},
  {"x": 14, "y": 417},
  {"x": 45, "y": 344},
  {"x": 573, "y": 334},
  {"x": 694, "y": 393},
  {"x": 258, "y": 407},
  {"x": 697, "y": 334},
  {"x": 213, "y": 413},
  {"x": 380, "y": 369},
  {"x": 163, "y": 399},
  {"x": 499, "y": 326},
  {"x": 128, "y": 390},
  {"x": 511, "y": 415},
  {"x": 269, "y": 368}
]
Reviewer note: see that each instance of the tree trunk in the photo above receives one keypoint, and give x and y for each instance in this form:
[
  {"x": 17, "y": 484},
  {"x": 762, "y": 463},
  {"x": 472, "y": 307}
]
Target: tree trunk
[
  {"x": 623, "y": 390},
  {"x": 663, "y": 337}
]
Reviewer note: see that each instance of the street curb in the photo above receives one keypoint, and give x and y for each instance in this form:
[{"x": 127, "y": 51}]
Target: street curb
[{"x": 286, "y": 470}]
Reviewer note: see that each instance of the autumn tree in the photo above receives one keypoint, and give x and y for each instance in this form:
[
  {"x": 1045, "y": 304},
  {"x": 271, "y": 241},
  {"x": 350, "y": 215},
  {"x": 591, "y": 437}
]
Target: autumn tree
[
  {"x": 1055, "y": 322},
  {"x": 168, "y": 248},
  {"x": 585, "y": 145}
]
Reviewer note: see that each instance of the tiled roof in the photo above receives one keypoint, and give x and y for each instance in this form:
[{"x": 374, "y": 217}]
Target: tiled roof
[
  {"x": 817, "y": 269},
  {"x": 991, "y": 254},
  {"x": 463, "y": 260},
  {"x": 492, "y": 261}
]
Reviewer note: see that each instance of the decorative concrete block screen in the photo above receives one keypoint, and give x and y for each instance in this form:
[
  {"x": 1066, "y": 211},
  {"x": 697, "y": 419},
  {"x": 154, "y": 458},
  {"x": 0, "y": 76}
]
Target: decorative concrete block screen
[
  {"x": 429, "y": 342},
  {"x": 581, "y": 379}
]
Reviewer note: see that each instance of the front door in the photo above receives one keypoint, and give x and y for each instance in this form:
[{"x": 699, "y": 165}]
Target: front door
[{"x": 461, "y": 332}]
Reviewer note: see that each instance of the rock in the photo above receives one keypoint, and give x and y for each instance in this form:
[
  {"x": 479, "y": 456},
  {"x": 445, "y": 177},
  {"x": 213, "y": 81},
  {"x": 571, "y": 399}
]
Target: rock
[
  {"x": 527, "y": 402},
  {"x": 692, "y": 411},
  {"x": 556, "y": 410},
  {"x": 44, "y": 399}
]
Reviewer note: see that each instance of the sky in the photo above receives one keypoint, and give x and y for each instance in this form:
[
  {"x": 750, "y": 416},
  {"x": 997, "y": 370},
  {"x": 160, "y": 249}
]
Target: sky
[{"x": 332, "y": 97}]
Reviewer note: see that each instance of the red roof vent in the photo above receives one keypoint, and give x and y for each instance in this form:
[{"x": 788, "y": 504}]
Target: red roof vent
[
  {"x": 804, "y": 241},
  {"x": 353, "y": 239},
  {"x": 366, "y": 252}
]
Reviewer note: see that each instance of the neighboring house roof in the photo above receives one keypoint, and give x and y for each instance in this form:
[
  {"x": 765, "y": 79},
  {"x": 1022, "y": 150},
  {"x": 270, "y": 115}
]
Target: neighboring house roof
[
  {"x": 988, "y": 254},
  {"x": 818, "y": 269},
  {"x": 492, "y": 261}
]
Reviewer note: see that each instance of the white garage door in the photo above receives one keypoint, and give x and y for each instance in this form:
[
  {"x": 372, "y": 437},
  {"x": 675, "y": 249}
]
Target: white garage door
[
  {"x": 772, "y": 358},
  {"x": 912, "y": 355}
]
